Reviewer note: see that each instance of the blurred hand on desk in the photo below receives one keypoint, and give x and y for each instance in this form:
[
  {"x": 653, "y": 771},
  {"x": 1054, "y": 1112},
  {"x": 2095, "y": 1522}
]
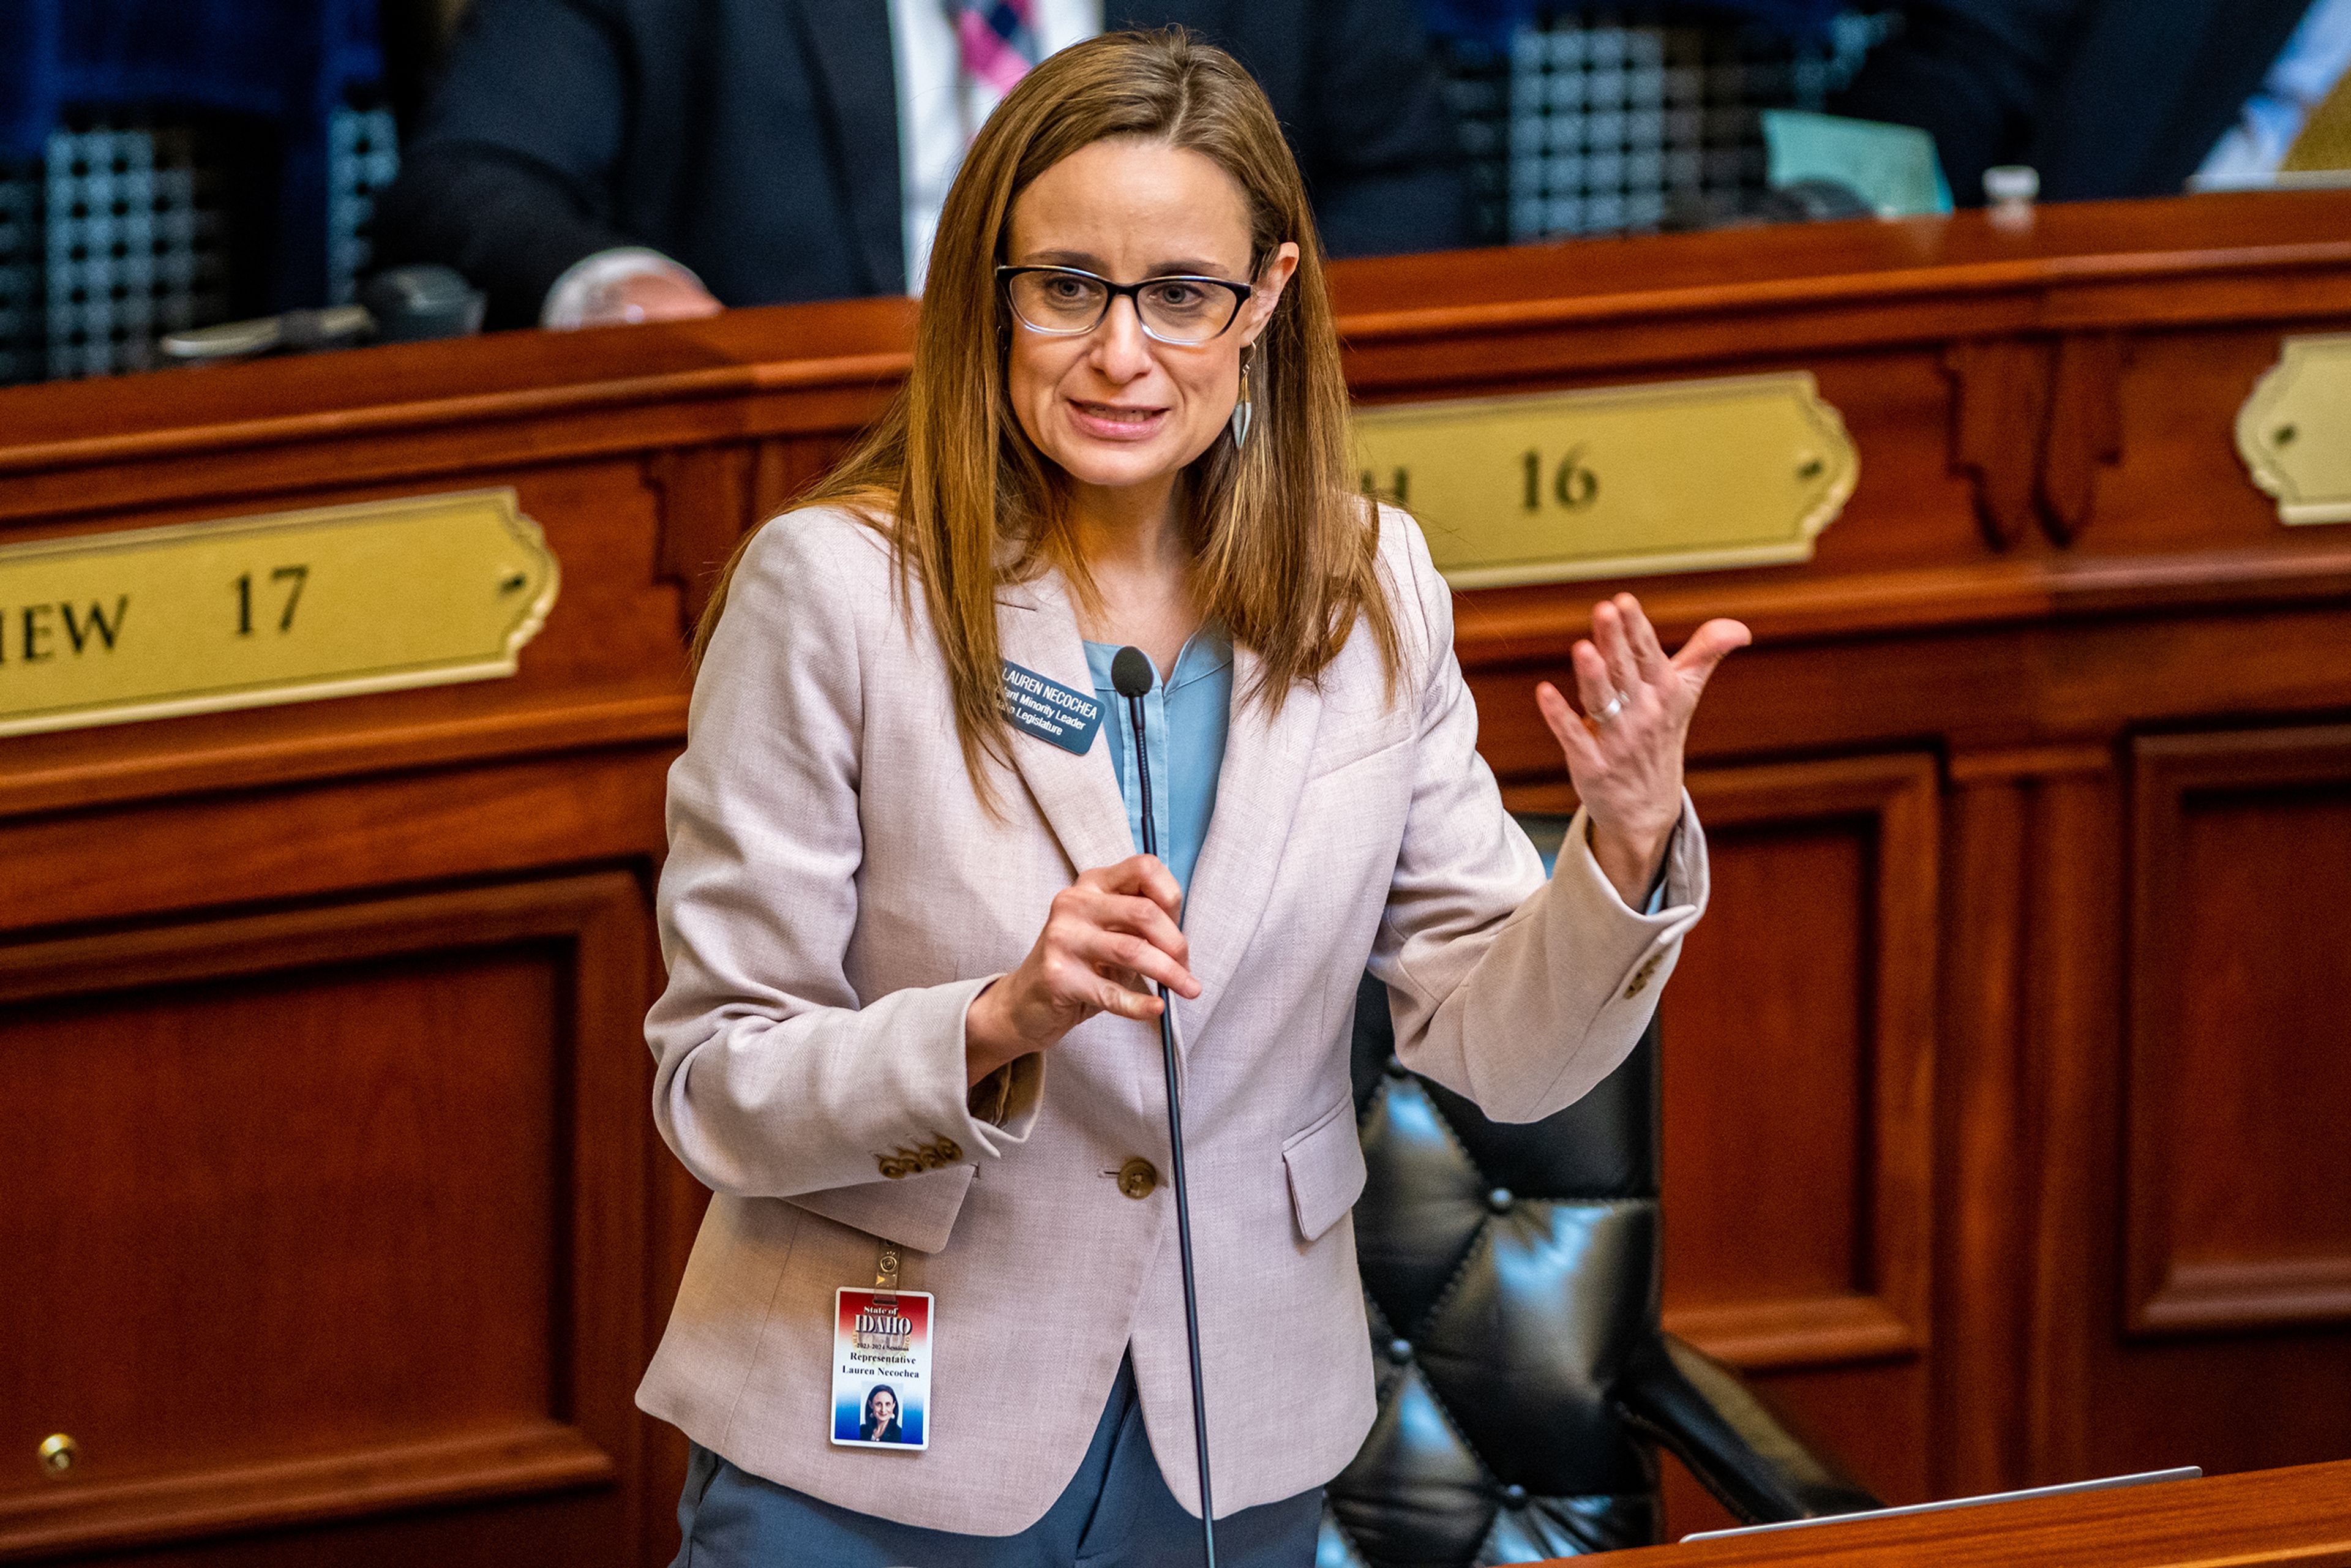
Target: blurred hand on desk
[
  {"x": 626, "y": 283},
  {"x": 647, "y": 297}
]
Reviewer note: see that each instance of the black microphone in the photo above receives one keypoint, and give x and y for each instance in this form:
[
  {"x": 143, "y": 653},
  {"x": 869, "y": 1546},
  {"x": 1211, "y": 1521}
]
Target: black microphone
[
  {"x": 404, "y": 304},
  {"x": 1130, "y": 677}
]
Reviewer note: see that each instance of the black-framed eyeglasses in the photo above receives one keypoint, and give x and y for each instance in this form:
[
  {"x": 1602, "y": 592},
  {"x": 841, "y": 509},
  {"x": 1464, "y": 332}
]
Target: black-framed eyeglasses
[{"x": 1179, "y": 308}]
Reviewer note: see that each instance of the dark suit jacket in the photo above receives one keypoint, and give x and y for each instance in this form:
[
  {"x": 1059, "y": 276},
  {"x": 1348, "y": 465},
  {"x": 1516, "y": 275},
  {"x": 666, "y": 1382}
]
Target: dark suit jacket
[
  {"x": 2106, "y": 97},
  {"x": 757, "y": 140}
]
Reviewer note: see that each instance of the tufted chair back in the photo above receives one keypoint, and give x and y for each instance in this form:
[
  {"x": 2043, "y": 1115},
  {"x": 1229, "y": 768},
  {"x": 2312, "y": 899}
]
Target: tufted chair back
[{"x": 1511, "y": 1274}]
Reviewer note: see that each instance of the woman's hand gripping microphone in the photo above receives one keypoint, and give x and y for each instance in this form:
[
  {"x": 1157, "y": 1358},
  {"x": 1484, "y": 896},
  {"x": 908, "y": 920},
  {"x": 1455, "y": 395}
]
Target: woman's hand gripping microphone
[{"x": 1105, "y": 935}]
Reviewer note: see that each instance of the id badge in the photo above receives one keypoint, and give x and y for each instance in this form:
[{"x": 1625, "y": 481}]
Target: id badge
[{"x": 881, "y": 1368}]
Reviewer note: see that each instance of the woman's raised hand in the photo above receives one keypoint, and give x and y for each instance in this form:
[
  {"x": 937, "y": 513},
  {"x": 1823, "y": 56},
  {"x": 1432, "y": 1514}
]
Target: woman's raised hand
[
  {"x": 1105, "y": 935},
  {"x": 1624, "y": 752}
]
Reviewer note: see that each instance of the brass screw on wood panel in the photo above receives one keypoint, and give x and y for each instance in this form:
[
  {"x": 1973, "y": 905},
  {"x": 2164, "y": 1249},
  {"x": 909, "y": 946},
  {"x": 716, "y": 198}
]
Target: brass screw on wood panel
[{"x": 59, "y": 1452}]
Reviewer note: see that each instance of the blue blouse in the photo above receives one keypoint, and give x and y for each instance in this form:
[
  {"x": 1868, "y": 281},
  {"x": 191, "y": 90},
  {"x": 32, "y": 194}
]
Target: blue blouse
[{"x": 1186, "y": 718}]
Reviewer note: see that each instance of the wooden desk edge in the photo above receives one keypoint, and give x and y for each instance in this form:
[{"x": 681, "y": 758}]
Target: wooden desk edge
[
  {"x": 520, "y": 377},
  {"x": 2300, "y": 1516}
]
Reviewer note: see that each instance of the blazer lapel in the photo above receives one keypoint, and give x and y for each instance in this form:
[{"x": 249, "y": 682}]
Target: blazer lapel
[
  {"x": 1036, "y": 629},
  {"x": 850, "y": 45},
  {"x": 1266, "y": 767}
]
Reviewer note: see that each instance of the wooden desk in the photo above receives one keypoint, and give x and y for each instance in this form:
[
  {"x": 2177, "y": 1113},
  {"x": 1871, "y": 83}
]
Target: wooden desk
[
  {"x": 2007, "y": 1079},
  {"x": 2300, "y": 1516}
]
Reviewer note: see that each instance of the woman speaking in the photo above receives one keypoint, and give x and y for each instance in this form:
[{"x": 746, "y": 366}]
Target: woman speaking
[{"x": 908, "y": 1036}]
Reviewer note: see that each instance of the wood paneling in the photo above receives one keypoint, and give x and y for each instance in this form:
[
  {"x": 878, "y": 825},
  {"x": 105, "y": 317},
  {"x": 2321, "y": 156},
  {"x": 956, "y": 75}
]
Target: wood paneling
[
  {"x": 2034, "y": 420},
  {"x": 1807, "y": 1236},
  {"x": 2240, "y": 1167},
  {"x": 1800, "y": 1030},
  {"x": 2005, "y": 1086},
  {"x": 1798, "y": 1135},
  {"x": 2024, "y": 1105},
  {"x": 711, "y": 497},
  {"x": 329, "y": 1208}
]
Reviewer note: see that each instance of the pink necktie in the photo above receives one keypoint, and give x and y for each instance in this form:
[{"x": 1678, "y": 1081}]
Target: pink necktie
[{"x": 999, "y": 40}]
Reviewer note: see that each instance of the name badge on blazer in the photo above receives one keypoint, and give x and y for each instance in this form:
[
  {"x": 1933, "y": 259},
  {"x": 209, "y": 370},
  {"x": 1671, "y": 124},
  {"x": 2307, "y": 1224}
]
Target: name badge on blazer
[
  {"x": 882, "y": 1369},
  {"x": 1050, "y": 711}
]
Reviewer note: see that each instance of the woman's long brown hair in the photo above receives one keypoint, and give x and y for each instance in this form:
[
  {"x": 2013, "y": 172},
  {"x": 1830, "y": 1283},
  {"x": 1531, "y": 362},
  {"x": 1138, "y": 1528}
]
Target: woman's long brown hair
[{"x": 1285, "y": 547}]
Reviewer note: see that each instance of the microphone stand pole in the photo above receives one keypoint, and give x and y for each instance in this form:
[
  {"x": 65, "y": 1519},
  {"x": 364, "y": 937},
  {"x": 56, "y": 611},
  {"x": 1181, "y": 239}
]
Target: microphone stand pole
[{"x": 1175, "y": 1112}]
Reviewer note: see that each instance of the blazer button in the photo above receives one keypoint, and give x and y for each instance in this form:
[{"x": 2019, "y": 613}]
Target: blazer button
[
  {"x": 1641, "y": 976},
  {"x": 1137, "y": 1178}
]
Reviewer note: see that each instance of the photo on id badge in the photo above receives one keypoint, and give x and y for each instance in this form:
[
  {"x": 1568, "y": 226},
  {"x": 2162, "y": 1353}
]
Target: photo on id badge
[{"x": 882, "y": 1369}]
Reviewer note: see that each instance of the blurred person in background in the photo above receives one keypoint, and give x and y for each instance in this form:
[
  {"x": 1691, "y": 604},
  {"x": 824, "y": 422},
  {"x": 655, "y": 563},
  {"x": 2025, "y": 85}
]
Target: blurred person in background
[
  {"x": 588, "y": 161},
  {"x": 2110, "y": 99}
]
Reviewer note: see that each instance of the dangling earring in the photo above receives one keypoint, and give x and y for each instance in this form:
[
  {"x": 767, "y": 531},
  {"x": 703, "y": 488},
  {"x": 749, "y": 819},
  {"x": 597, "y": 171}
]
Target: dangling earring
[{"x": 1243, "y": 409}]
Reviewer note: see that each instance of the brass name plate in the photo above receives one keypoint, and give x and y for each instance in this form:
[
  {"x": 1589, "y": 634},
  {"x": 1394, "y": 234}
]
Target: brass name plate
[
  {"x": 249, "y": 611},
  {"x": 1614, "y": 482},
  {"x": 2295, "y": 431}
]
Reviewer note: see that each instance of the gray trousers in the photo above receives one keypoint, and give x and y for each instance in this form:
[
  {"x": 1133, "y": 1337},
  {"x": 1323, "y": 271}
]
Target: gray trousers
[{"x": 1115, "y": 1511}]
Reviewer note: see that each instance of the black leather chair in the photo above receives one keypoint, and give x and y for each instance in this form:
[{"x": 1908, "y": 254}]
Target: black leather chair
[{"x": 1511, "y": 1275}]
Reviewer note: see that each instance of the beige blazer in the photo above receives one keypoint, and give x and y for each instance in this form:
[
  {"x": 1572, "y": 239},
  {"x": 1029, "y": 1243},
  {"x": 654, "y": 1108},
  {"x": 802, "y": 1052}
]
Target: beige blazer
[{"x": 836, "y": 896}]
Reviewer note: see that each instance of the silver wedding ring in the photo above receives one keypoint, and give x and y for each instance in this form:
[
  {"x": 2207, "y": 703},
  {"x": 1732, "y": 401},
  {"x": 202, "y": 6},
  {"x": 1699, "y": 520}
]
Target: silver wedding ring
[{"x": 1615, "y": 706}]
